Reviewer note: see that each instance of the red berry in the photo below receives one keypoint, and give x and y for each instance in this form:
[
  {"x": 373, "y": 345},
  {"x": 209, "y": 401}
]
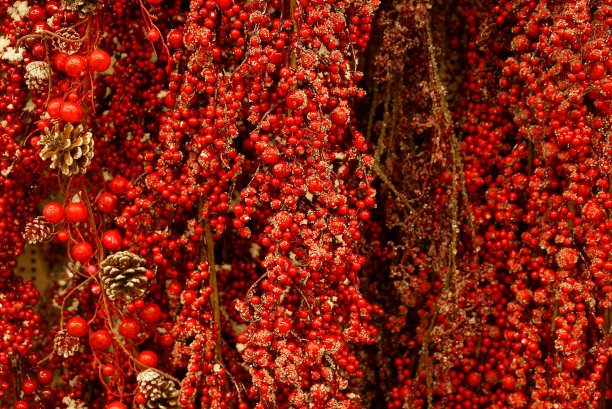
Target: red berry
[
  {"x": 116, "y": 405},
  {"x": 76, "y": 212},
  {"x": 59, "y": 60},
  {"x": 119, "y": 185},
  {"x": 283, "y": 325},
  {"x": 82, "y": 251},
  {"x": 99, "y": 60},
  {"x": 39, "y": 51},
  {"x": 140, "y": 399},
  {"x": 71, "y": 112},
  {"x": 592, "y": 212},
  {"x": 108, "y": 369},
  {"x": 107, "y": 202},
  {"x": 150, "y": 313},
  {"x": 63, "y": 235},
  {"x": 153, "y": 35},
  {"x": 129, "y": 328},
  {"x": 111, "y": 240},
  {"x": 175, "y": 39},
  {"x": 224, "y": 4},
  {"x": 148, "y": 358},
  {"x": 340, "y": 116},
  {"x": 44, "y": 376},
  {"x": 474, "y": 379},
  {"x": 567, "y": 258},
  {"x": 598, "y": 71},
  {"x": 270, "y": 155},
  {"x": 54, "y": 108},
  {"x": 77, "y": 327},
  {"x": 29, "y": 386},
  {"x": 508, "y": 382},
  {"x": 76, "y": 66},
  {"x": 36, "y": 14},
  {"x": 22, "y": 404},
  {"x": 53, "y": 212},
  {"x": 101, "y": 339},
  {"x": 296, "y": 99}
]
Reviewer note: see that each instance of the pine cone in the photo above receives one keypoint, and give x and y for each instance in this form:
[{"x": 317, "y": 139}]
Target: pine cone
[
  {"x": 82, "y": 6},
  {"x": 161, "y": 393},
  {"x": 67, "y": 33},
  {"x": 65, "y": 345},
  {"x": 37, "y": 230},
  {"x": 123, "y": 276},
  {"x": 37, "y": 75},
  {"x": 70, "y": 149}
]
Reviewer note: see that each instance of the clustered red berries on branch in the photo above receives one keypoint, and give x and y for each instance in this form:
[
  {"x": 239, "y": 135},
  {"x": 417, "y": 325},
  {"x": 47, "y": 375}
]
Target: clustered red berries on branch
[{"x": 305, "y": 204}]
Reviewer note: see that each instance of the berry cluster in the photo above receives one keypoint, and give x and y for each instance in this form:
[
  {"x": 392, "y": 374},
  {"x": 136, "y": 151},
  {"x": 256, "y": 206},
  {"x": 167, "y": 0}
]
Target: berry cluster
[{"x": 249, "y": 204}]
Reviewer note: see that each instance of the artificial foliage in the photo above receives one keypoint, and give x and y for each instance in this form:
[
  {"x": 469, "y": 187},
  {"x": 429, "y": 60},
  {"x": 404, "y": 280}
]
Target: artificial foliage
[{"x": 331, "y": 204}]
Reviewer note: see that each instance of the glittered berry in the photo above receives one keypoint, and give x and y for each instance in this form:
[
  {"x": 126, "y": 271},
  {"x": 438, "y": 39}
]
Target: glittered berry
[
  {"x": 340, "y": 116},
  {"x": 592, "y": 212},
  {"x": 270, "y": 155},
  {"x": 283, "y": 325},
  {"x": 567, "y": 258},
  {"x": 76, "y": 66},
  {"x": 296, "y": 99},
  {"x": 53, "y": 212}
]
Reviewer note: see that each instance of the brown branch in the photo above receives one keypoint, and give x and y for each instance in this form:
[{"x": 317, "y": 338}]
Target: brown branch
[{"x": 212, "y": 281}]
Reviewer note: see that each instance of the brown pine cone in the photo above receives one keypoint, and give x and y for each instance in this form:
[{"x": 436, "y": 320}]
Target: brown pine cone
[
  {"x": 82, "y": 6},
  {"x": 70, "y": 149},
  {"x": 161, "y": 393},
  {"x": 123, "y": 276},
  {"x": 37, "y": 230}
]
